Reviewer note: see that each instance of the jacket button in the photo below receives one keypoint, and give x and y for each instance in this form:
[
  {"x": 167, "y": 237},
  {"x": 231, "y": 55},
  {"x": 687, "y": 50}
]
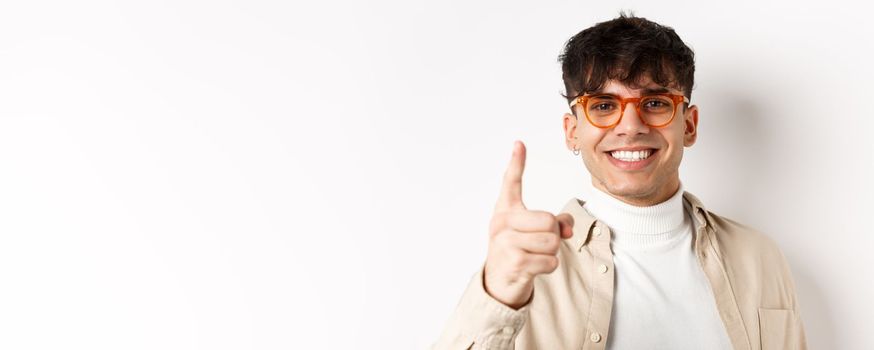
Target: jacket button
[
  {"x": 595, "y": 337},
  {"x": 596, "y": 231},
  {"x": 602, "y": 268},
  {"x": 507, "y": 330}
]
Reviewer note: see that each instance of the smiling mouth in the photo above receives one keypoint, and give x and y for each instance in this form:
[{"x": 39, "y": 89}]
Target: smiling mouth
[{"x": 632, "y": 156}]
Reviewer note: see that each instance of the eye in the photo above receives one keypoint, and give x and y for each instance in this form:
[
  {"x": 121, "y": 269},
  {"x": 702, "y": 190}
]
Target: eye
[
  {"x": 602, "y": 106},
  {"x": 655, "y": 103}
]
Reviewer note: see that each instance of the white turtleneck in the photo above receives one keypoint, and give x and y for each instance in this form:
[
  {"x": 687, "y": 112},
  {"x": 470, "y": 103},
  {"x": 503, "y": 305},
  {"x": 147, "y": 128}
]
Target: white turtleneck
[{"x": 662, "y": 299}]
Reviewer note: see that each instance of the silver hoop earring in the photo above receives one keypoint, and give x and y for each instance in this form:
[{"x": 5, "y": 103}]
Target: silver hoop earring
[{"x": 576, "y": 150}]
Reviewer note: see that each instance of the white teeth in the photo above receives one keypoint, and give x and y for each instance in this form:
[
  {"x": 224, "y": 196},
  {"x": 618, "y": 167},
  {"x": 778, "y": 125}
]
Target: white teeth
[{"x": 631, "y": 156}]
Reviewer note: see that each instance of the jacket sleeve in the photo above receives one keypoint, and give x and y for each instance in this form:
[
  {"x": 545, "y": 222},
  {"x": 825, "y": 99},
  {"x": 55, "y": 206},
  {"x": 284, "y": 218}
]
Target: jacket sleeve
[{"x": 481, "y": 322}]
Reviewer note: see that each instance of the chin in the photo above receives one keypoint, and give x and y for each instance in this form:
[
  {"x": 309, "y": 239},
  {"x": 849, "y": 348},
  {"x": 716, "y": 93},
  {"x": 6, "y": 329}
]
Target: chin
[
  {"x": 629, "y": 189},
  {"x": 631, "y": 192}
]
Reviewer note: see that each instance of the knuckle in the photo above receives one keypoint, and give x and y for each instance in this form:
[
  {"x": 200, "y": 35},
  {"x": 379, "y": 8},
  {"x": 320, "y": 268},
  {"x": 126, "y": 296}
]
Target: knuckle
[
  {"x": 552, "y": 222},
  {"x": 552, "y": 263},
  {"x": 551, "y": 242},
  {"x": 517, "y": 261},
  {"x": 546, "y": 221}
]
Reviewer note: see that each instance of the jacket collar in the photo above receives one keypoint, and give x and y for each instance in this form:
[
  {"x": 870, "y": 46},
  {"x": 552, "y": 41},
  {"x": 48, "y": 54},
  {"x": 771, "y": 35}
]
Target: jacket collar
[{"x": 584, "y": 222}]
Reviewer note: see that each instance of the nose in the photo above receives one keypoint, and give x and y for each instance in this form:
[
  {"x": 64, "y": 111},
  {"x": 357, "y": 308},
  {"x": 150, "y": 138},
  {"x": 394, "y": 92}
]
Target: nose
[{"x": 630, "y": 123}]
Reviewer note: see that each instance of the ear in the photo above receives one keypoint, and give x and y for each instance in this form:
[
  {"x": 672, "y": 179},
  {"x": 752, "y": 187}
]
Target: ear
[
  {"x": 690, "y": 134},
  {"x": 569, "y": 122}
]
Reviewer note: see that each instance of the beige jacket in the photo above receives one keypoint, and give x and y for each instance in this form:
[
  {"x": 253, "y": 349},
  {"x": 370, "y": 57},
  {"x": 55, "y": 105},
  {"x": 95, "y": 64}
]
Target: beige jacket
[{"x": 571, "y": 307}]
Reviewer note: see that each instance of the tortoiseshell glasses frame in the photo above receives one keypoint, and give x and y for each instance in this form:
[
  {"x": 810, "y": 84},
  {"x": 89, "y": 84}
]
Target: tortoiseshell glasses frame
[{"x": 654, "y": 117}]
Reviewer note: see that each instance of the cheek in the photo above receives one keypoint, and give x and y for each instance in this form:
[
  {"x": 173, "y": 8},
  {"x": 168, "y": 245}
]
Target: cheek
[
  {"x": 590, "y": 152},
  {"x": 673, "y": 155},
  {"x": 590, "y": 137},
  {"x": 673, "y": 138}
]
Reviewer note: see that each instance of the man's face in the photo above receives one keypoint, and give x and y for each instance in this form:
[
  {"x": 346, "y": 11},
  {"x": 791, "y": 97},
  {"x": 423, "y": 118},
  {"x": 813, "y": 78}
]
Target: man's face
[{"x": 644, "y": 182}]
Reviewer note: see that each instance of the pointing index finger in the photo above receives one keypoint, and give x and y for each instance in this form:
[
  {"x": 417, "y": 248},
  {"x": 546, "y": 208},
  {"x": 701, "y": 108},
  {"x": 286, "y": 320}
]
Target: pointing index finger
[{"x": 511, "y": 189}]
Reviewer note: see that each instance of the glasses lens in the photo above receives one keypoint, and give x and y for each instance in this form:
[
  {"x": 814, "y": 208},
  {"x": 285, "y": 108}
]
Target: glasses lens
[
  {"x": 656, "y": 110},
  {"x": 603, "y": 110}
]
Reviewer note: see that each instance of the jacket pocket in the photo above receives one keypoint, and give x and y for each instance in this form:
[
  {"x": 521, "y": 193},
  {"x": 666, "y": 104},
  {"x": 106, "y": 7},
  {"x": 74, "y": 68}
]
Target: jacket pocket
[{"x": 778, "y": 329}]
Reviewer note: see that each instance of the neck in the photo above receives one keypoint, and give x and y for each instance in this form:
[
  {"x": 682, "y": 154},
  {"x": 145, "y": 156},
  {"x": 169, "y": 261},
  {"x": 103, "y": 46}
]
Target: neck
[{"x": 622, "y": 216}]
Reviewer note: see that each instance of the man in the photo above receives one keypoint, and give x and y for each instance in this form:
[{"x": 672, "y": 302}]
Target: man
[{"x": 642, "y": 264}]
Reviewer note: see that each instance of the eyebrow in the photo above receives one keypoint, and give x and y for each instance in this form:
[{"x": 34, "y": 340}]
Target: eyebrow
[{"x": 645, "y": 91}]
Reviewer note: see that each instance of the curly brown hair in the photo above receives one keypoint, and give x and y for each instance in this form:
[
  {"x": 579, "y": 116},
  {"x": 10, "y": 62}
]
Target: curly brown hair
[{"x": 628, "y": 49}]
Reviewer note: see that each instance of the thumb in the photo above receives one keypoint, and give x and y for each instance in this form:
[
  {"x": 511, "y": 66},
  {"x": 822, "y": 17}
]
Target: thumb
[
  {"x": 511, "y": 189},
  {"x": 566, "y": 225}
]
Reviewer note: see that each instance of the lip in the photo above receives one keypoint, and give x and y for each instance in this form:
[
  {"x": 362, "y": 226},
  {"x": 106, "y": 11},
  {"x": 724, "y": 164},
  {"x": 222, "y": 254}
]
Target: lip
[
  {"x": 634, "y": 148},
  {"x": 631, "y": 166}
]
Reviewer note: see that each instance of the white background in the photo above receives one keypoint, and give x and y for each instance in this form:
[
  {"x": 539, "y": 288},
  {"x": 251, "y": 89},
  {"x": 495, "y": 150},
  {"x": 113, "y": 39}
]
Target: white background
[{"x": 274, "y": 175}]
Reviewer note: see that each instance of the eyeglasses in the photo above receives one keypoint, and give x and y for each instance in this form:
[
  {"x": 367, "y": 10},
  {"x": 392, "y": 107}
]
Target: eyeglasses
[{"x": 605, "y": 111}]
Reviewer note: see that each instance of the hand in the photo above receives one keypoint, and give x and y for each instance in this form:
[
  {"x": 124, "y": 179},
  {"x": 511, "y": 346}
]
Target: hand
[{"x": 522, "y": 243}]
